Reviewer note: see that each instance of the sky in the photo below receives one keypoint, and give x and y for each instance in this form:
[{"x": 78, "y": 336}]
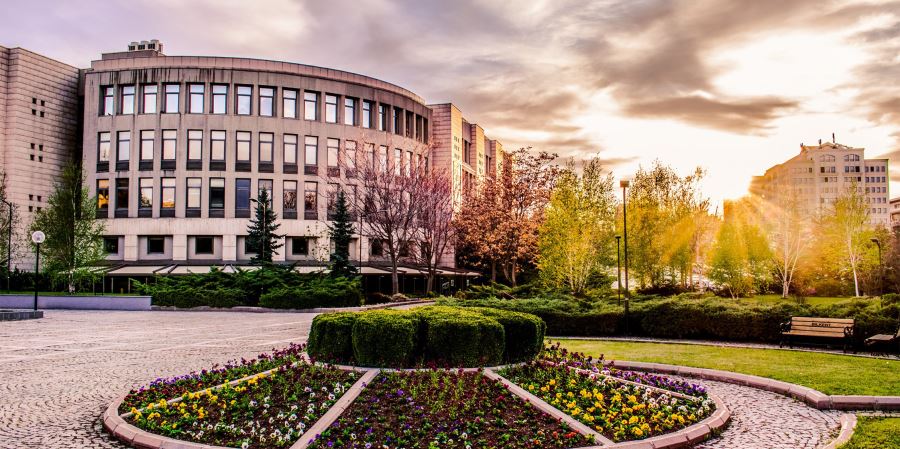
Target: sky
[{"x": 733, "y": 86}]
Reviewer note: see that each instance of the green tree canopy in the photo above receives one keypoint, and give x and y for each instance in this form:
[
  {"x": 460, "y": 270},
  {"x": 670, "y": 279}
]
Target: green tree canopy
[
  {"x": 262, "y": 237},
  {"x": 341, "y": 232}
]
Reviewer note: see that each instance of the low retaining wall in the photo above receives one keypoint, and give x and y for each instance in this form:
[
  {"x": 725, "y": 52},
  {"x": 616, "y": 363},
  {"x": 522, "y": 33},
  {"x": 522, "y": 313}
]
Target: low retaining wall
[
  {"x": 76, "y": 302},
  {"x": 16, "y": 315},
  {"x": 251, "y": 309}
]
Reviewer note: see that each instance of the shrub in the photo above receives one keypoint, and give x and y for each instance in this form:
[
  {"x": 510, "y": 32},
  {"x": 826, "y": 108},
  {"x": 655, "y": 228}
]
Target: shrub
[
  {"x": 187, "y": 298},
  {"x": 319, "y": 292},
  {"x": 523, "y": 333},
  {"x": 456, "y": 337},
  {"x": 331, "y": 337},
  {"x": 385, "y": 338}
]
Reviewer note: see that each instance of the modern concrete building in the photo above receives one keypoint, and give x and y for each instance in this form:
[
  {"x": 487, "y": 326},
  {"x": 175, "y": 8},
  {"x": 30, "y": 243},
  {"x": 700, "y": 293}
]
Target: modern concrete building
[
  {"x": 822, "y": 173},
  {"x": 40, "y": 118},
  {"x": 895, "y": 214},
  {"x": 177, "y": 147}
]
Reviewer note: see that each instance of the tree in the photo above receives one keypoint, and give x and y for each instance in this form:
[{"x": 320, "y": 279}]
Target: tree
[
  {"x": 341, "y": 232},
  {"x": 262, "y": 237},
  {"x": 74, "y": 237},
  {"x": 741, "y": 261},
  {"x": 6, "y": 224},
  {"x": 579, "y": 227},
  {"x": 788, "y": 232},
  {"x": 434, "y": 222},
  {"x": 846, "y": 231}
]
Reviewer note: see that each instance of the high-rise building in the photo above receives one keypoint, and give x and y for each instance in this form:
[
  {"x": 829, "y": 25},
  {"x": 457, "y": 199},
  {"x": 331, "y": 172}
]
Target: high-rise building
[{"x": 821, "y": 173}]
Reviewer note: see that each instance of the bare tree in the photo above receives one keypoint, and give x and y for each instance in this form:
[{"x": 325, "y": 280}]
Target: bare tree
[{"x": 434, "y": 196}]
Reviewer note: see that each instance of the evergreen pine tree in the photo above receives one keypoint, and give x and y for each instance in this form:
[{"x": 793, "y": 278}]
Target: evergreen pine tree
[
  {"x": 261, "y": 233},
  {"x": 341, "y": 231}
]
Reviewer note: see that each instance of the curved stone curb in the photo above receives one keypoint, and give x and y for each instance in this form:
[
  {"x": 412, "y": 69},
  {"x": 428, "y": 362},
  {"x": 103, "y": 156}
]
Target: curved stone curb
[
  {"x": 335, "y": 411},
  {"x": 128, "y": 434},
  {"x": 848, "y": 425},
  {"x": 543, "y": 406},
  {"x": 811, "y": 397}
]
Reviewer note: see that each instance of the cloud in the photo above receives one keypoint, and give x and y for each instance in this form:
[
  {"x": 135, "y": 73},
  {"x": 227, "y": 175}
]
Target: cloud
[{"x": 742, "y": 115}]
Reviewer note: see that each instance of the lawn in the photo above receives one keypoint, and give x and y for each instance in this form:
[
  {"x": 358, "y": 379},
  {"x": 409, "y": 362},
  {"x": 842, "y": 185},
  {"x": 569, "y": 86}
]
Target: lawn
[
  {"x": 811, "y": 300},
  {"x": 875, "y": 433},
  {"x": 828, "y": 373}
]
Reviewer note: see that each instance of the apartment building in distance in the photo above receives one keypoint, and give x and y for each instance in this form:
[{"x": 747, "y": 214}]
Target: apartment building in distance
[
  {"x": 821, "y": 173},
  {"x": 176, "y": 148},
  {"x": 895, "y": 214},
  {"x": 40, "y": 118}
]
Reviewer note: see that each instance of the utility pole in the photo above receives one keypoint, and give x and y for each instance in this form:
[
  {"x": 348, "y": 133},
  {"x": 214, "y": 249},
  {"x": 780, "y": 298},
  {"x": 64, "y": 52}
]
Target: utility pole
[{"x": 624, "y": 184}]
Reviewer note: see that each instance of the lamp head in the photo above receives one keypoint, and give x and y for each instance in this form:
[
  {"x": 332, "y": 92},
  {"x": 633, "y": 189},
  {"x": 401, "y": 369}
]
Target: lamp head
[{"x": 624, "y": 183}]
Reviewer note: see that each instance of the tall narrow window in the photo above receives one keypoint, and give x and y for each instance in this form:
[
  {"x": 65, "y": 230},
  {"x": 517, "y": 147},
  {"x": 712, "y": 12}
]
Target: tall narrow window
[
  {"x": 349, "y": 111},
  {"x": 145, "y": 197},
  {"x": 309, "y": 201},
  {"x": 409, "y": 162},
  {"x": 108, "y": 100},
  {"x": 334, "y": 148},
  {"x": 289, "y": 103},
  {"x": 398, "y": 161},
  {"x": 195, "y": 102},
  {"x": 267, "y": 101},
  {"x": 242, "y": 151},
  {"x": 172, "y": 93},
  {"x": 219, "y": 99},
  {"x": 148, "y": 102},
  {"x": 366, "y": 114},
  {"x": 127, "y": 100},
  {"x": 408, "y": 124},
  {"x": 167, "y": 197},
  {"x": 382, "y": 117},
  {"x": 395, "y": 123},
  {"x": 241, "y": 198},
  {"x": 350, "y": 158},
  {"x": 169, "y": 142},
  {"x": 266, "y": 151},
  {"x": 194, "y": 188},
  {"x": 311, "y": 154},
  {"x": 103, "y": 198},
  {"x": 289, "y": 192},
  {"x": 331, "y": 201},
  {"x": 195, "y": 149},
  {"x": 290, "y": 153},
  {"x": 216, "y": 197},
  {"x": 382, "y": 158},
  {"x": 103, "y": 150},
  {"x": 268, "y": 186},
  {"x": 311, "y": 105},
  {"x": 331, "y": 108},
  {"x": 121, "y": 197},
  {"x": 148, "y": 138},
  {"x": 217, "y": 150},
  {"x": 123, "y": 150},
  {"x": 244, "y": 96}
]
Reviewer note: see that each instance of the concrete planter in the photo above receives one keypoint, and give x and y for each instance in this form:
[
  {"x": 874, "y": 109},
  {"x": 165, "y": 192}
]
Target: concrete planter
[{"x": 76, "y": 302}]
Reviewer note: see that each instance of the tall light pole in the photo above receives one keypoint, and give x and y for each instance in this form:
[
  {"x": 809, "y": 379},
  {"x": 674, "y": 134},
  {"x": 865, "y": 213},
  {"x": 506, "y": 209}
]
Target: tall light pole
[
  {"x": 624, "y": 184},
  {"x": 9, "y": 225},
  {"x": 37, "y": 237},
  {"x": 618, "y": 271},
  {"x": 880, "y": 265}
]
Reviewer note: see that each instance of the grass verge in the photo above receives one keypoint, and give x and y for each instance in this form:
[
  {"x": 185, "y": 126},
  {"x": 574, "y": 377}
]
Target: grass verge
[{"x": 875, "y": 433}]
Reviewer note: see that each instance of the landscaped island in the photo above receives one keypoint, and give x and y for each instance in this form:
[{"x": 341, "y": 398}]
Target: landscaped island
[{"x": 282, "y": 400}]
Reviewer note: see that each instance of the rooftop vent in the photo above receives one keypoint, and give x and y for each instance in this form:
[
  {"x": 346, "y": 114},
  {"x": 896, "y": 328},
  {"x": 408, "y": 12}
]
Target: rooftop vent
[{"x": 154, "y": 45}]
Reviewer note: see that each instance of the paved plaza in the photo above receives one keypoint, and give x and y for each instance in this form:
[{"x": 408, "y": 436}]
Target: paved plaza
[{"x": 59, "y": 373}]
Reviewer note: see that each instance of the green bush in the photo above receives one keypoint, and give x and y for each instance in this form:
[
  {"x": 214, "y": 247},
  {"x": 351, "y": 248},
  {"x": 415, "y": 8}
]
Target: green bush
[
  {"x": 523, "y": 333},
  {"x": 385, "y": 338},
  {"x": 319, "y": 292},
  {"x": 331, "y": 337},
  {"x": 187, "y": 298},
  {"x": 456, "y": 337}
]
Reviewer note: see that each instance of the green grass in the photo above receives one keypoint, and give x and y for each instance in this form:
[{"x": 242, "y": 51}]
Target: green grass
[
  {"x": 811, "y": 300},
  {"x": 875, "y": 433},
  {"x": 828, "y": 373}
]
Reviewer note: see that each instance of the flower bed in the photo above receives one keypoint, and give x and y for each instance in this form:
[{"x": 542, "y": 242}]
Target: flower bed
[
  {"x": 264, "y": 411},
  {"x": 446, "y": 409},
  {"x": 617, "y": 410},
  {"x": 172, "y": 387}
]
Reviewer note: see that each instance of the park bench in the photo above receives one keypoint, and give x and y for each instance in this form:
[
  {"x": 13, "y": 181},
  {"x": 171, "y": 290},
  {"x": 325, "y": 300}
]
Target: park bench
[
  {"x": 820, "y": 328},
  {"x": 885, "y": 339}
]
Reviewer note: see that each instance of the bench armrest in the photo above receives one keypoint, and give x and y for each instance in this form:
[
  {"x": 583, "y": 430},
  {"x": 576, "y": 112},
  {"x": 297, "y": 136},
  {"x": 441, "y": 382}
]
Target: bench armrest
[
  {"x": 786, "y": 326},
  {"x": 850, "y": 331}
]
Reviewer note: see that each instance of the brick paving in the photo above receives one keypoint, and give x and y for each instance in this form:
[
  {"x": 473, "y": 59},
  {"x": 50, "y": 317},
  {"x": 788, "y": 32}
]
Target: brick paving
[{"x": 59, "y": 373}]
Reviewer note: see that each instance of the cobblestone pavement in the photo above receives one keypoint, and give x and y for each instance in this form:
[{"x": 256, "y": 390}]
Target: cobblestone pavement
[
  {"x": 59, "y": 373},
  {"x": 764, "y": 420}
]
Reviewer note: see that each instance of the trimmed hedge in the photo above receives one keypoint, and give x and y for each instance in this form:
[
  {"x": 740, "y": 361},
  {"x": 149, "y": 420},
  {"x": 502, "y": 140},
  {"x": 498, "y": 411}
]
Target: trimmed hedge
[
  {"x": 331, "y": 337},
  {"x": 322, "y": 292},
  {"x": 196, "y": 297},
  {"x": 385, "y": 338},
  {"x": 442, "y": 336}
]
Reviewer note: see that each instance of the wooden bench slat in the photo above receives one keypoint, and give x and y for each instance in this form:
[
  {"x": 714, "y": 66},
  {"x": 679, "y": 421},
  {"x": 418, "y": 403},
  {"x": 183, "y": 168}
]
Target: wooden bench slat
[
  {"x": 821, "y": 328},
  {"x": 815, "y": 334},
  {"x": 823, "y": 320}
]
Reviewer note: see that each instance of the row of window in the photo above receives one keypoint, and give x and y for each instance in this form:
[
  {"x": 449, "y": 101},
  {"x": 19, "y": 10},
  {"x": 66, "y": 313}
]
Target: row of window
[
  {"x": 166, "y": 193},
  {"x": 218, "y": 151},
  {"x": 337, "y": 109},
  {"x": 206, "y": 245}
]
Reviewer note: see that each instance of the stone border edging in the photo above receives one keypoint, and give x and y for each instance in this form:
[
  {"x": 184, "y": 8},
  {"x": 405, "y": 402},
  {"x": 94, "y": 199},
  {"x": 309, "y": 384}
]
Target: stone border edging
[
  {"x": 335, "y": 411},
  {"x": 129, "y": 434},
  {"x": 19, "y": 315},
  {"x": 848, "y": 425},
  {"x": 250, "y": 309},
  {"x": 811, "y": 397}
]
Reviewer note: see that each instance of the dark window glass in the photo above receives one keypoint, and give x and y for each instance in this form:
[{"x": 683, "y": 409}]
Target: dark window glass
[
  {"x": 382, "y": 117},
  {"x": 203, "y": 245},
  {"x": 376, "y": 248},
  {"x": 300, "y": 246},
  {"x": 156, "y": 245},
  {"x": 217, "y": 193},
  {"x": 309, "y": 197},
  {"x": 395, "y": 123},
  {"x": 242, "y": 194},
  {"x": 111, "y": 245},
  {"x": 367, "y": 114},
  {"x": 122, "y": 193}
]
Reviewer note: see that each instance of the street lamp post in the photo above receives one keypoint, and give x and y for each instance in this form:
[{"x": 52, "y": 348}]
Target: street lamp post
[
  {"x": 9, "y": 224},
  {"x": 37, "y": 237},
  {"x": 624, "y": 185},
  {"x": 880, "y": 265},
  {"x": 618, "y": 271}
]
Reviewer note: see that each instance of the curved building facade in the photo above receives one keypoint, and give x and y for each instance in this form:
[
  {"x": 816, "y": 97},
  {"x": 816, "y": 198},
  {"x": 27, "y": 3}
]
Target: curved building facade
[{"x": 176, "y": 147}]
